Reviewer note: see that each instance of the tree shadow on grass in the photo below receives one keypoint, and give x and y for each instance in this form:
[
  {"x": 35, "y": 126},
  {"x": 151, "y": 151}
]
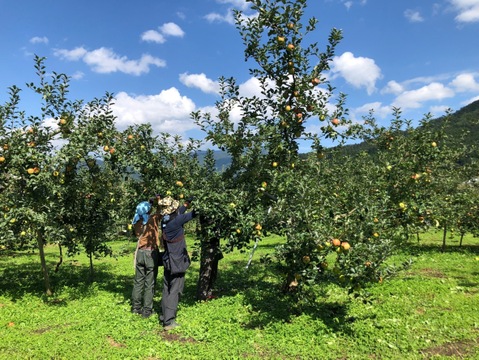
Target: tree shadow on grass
[
  {"x": 262, "y": 293},
  {"x": 472, "y": 250},
  {"x": 17, "y": 280},
  {"x": 25, "y": 278},
  {"x": 258, "y": 285},
  {"x": 415, "y": 249}
]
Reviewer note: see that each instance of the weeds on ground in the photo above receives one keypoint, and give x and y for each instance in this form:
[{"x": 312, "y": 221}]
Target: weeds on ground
[{"x": 429, "y": 311}]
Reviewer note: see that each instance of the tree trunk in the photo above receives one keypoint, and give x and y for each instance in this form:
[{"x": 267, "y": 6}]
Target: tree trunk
[
  {"x": 460, "y": 241},
  {"x": 61, "y": 257},
  {"x": 46, "y": 278},
  {"x": 90, "y": 255},
  {"x": 210, "y": 255},
  {"x": 444, "y": 234}
]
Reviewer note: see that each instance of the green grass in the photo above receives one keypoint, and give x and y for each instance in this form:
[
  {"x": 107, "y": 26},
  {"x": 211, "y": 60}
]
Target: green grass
[{"x": 430, "y": 311}]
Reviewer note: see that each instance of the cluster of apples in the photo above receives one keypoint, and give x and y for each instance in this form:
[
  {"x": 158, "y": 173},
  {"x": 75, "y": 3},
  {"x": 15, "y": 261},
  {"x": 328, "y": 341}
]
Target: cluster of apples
[
  {"x": 340, "y": 245},
  {"x": 111, "y": 150}
]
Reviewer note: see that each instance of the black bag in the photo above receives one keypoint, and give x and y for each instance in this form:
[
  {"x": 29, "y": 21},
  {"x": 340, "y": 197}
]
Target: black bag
[
  {"x": 160, "y": 258},
  {"x": 180, "y": 264},
  {"x": 176, "y": 265},
  {"x": 165, "y": 260}
]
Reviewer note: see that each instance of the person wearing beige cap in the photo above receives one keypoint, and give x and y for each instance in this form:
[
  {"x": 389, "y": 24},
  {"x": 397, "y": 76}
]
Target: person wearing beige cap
[{"x": 175, "y": 259}]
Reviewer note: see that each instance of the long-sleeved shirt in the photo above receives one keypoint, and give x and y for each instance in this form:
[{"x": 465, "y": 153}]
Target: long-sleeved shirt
[{"x": 173, "y": 229}]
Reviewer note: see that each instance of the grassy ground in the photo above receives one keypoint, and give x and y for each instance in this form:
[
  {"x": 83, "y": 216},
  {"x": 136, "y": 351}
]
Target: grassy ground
[{"x": 430, "y": 311}]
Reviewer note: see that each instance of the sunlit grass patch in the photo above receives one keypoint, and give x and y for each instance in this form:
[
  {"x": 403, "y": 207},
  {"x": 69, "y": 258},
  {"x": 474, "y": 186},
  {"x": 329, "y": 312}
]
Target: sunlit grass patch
[{"x": 428, "y": 310}]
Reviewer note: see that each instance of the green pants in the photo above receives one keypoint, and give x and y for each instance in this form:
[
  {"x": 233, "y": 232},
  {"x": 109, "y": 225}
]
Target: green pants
[{"x": 146, "y": 271}]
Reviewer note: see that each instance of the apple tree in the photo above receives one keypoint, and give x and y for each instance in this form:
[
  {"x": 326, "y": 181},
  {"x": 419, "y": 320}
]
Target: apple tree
[
  {"x": 44, "y": 158},
  {"x": 90, "y": 165},
  {"x": 342, "y": 216},
  {"x": 263, "y": 141}
]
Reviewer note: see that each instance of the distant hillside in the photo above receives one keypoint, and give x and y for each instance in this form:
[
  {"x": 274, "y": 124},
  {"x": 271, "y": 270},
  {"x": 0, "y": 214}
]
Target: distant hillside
[
  {"x": 467, "y": 118},
  {"x": 222, "y": 159}
]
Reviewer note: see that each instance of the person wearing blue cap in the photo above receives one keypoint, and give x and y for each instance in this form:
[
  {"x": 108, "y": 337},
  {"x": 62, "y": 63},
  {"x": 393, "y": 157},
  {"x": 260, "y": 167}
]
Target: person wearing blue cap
[{"x": 146, "y": 228}]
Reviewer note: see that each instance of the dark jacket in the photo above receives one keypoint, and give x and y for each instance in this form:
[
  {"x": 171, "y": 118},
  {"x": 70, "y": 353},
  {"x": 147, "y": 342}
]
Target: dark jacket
[{"x": 176, "y": 257}]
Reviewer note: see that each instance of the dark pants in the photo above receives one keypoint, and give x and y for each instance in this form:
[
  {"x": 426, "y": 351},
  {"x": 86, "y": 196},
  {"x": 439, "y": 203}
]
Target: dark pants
[
  {"x": 146, "y": 271},
  {"x": 172, "y": 290}
]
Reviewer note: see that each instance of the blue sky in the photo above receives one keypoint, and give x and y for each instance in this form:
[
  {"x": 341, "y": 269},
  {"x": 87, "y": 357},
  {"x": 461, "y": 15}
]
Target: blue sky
[{"x": 162, "y": 59}]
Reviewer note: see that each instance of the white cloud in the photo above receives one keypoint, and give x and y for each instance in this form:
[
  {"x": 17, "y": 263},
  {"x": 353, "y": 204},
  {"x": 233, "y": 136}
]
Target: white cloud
[
  {"x": 413, "y": 99},
  {"x": 153, "y": 36},
  {"x": 413, "y": 16},
  {"x": 165, "y": 30},
  {"x": 78, "y": 75},
  {"x": 201, "y": 82},
  {"x": 104, "y": 60},
  {"x": 377, "y": 107},
  {"x": 171, "y": 29},
  {"x": 359, "y": 71},
  {"x": 468, "y": 10},
  {"x": 39, "y": 40},
  {"x": 471, "y": 100},
  {"x": 71, "y": 55},
  {"x": 250, "y": 88},
  {"x": 438, "y": 110},
  {"x": 237, "y": 4},
  {"x": 392, "y": 87},
  {"x": 228, "y": 17},
  {"x": 465, "y": 82},
  {"x": 349, "y": 3},
  {"x": 427, "y": 79},
  {"x": 167, "y": 111}
]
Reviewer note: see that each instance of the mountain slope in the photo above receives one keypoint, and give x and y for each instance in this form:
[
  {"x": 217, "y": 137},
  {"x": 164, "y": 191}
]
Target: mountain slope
[{"x": 465, "y": 119}]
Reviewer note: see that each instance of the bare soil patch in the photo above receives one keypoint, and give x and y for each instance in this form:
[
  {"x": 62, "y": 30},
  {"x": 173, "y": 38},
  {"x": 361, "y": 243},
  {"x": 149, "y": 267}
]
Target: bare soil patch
[{"x": 461, "y": 349}]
